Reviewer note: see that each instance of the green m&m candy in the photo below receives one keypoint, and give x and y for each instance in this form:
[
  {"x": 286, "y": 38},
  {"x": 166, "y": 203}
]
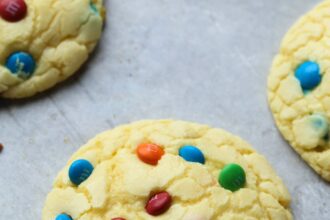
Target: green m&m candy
[{"x": 232, "y": 177}]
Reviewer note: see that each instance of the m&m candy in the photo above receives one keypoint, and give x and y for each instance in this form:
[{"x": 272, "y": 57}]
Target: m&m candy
[
  {"x": 232, "y": 177},
  {"x": 192, "y": 154},
  {"x": 63, "y": 217},
  {"x": 13, "y": 10},
  {"x": 80, "y": 170},
  {"x": 159, "y": 203},
  {"x": 21, "y": 63},
  {"x": 150, "y": 153},
  {"x": 308, "y": 74}
]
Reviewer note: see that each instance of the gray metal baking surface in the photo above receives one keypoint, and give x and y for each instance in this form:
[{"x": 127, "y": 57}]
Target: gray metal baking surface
[{"x": 199, "y": 60}]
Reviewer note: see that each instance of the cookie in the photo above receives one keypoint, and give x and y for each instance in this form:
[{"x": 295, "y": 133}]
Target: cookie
[
  {"x": 167, "y": 170},
  {"x": 43, "y": 42},
  {"x": 299, "y": 88}
]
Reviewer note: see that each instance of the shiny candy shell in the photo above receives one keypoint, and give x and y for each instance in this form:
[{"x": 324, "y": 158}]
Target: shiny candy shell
[
  {"x": 232, "y": 177},
  {"x": 192, "y": 154},
  {"x": 150, "y": 153},
  {"x": 80, "y": 170},
  {"x": 63, "y": 217},
  {"x": 13, "y": 10},
  {"x": 159, "y": 203},
  {"x": 308, "y": 74},
  {"x": 21, "y": 63}
]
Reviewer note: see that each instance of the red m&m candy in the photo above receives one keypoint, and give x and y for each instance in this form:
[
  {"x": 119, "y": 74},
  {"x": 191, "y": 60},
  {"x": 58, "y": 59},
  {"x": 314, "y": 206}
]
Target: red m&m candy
[
  {"x": 13, "y": 10},
  {"x": 159, "y": 203}
]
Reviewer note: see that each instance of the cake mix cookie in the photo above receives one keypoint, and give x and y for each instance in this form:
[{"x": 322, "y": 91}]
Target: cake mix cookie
[
  {"x": 43, "y": 42},
  {"x": 299, "y": 88},
  {"x": 167, "y": 170}
]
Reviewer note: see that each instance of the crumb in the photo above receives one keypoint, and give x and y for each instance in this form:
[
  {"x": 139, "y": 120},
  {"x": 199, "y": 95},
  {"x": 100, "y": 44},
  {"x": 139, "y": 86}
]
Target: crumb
[{"x": 1, "y": 147}]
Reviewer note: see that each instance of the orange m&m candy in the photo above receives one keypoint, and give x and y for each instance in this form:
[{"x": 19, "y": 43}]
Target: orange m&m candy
[{"x": 150, "y": 153}]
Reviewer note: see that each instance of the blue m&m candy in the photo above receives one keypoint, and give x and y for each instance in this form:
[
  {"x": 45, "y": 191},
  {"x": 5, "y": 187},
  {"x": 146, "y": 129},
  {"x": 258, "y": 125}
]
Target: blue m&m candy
[
  {"x": 308, "y": 75},
  {"x": 21, "y": 63},
  {"x": 80, "y": 170},
  {"x": 63, "y": 217},
  {"x": 192, "y": 154}
]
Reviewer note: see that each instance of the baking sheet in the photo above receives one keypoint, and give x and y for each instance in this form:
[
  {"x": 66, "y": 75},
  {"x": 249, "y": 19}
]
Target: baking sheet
[{"x": 204, "y": 61}]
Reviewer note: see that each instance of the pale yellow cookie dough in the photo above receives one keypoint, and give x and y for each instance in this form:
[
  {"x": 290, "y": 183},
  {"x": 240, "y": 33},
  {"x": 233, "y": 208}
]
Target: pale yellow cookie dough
[
  {"x": 59, "y": 34},
  {"x": 121, "y": 183},
  {"x": 302, "y": 117}
]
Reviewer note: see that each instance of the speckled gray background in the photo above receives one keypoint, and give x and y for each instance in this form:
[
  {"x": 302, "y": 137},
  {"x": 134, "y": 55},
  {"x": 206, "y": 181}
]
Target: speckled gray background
[{"x": 200, "y": 60}]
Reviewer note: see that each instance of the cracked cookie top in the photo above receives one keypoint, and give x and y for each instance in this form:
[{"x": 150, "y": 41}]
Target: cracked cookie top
[
  {"x": 167, "y": 170},
  {"x": 299, "y": 88},
  {"x": 43, "y": 42}
]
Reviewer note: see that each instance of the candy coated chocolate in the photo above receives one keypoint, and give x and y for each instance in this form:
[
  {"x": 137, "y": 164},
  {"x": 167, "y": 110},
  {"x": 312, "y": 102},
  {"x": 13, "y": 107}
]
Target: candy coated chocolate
[
  {"x": 21, "y": 63},
  {"x": 192, "y": 154},
  {"x": 79, "y": 171},
  {"x": 159, "y": 203},
  {"x": 150, "y": 153},
  {"x": 63, "y": 217},
  {"x": 232, "y": 177},
  {"x": 13, "y": 10},
  {"x": 308, "y": 75}
]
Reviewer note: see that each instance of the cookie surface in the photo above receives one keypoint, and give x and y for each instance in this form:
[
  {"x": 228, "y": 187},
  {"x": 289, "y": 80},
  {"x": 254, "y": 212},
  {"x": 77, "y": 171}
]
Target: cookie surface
[
  {"x": 43, "y": 42},
  {"x": 299, "y": 88},
  {"x": 167, "y": 170}
]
